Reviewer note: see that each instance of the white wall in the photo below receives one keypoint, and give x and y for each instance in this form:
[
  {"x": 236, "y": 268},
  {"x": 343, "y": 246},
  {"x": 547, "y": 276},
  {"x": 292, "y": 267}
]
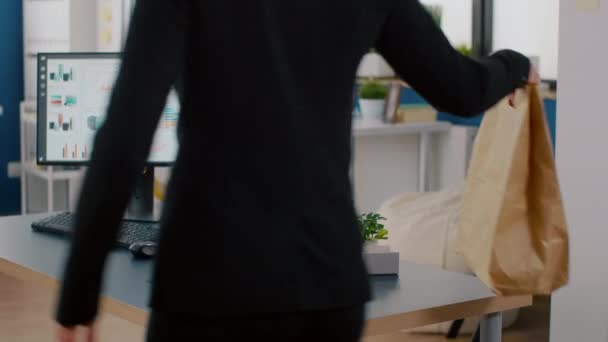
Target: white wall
[
  {"x": 580, "y": 311},
  {"x": 387, "y": 166},
  {"x": 383, "y": 168},
  {"x": 457, "y": 22},
  {"x": 55, "y": 26},
  {"x": 530, "y": 27},
  {"x": 113, "y": 17},
  {"x": 43, "y": 35}
]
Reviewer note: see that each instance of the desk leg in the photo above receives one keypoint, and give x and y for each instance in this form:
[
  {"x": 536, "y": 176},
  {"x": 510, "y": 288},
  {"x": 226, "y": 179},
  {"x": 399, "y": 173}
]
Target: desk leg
[
  {"x": 491, "y": 328},
  {"x": 424, "y": 148}
]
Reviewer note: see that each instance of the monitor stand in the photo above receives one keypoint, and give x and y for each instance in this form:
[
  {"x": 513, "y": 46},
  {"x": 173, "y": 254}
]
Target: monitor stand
[{"x": 141, "y": 206}]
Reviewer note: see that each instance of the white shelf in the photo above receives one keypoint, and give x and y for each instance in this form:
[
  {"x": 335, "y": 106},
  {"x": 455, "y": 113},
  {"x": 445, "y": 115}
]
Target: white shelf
[
  {"x": 369, "y": 129},
  {"x": 32, "y": 169}
]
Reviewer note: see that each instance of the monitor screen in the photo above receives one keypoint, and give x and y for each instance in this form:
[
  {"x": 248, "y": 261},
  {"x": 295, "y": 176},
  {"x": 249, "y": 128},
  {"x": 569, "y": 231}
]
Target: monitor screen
[{"x": 73, "y": 94}]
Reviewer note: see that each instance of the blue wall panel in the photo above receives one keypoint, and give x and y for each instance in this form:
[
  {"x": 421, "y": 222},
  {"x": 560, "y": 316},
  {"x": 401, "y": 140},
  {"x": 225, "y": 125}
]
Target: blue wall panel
[
  {"x": 409, "y": 96},
  {"x": 11, "y": 93}
]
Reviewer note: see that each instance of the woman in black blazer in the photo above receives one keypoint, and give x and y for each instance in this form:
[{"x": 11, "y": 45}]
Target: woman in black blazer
[{"x": 260, "y": 195}]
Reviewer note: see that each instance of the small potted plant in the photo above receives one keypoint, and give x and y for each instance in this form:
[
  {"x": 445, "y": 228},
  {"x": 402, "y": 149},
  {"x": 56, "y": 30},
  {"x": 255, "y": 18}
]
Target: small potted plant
[
  {"x": 374, "y": 65},
  {"x": 379, "y": 259},
  {"x": 372, "y": 230},
  {"x": 372, "y": 101},
  {"x": 464, "y": 49}
]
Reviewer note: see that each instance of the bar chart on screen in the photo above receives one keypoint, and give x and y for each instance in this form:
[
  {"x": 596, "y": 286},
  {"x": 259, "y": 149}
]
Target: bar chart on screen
[
  {"x": 169, "y": 118},
  {"x": 165, "y": 144},
  {"x": 77, "y": 108},
  {"x": 61, "y": 73}
]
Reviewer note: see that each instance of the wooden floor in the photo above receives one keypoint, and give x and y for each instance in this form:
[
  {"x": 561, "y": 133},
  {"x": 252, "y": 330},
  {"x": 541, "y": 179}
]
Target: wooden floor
[{"x": 26, "y": 311}]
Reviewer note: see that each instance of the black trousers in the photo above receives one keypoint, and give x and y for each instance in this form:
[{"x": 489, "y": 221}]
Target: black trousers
[{"x": 341, "y": 325}]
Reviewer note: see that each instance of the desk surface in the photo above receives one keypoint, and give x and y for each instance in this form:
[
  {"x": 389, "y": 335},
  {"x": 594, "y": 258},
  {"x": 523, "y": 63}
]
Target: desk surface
[{"x": 420, "y": 295}]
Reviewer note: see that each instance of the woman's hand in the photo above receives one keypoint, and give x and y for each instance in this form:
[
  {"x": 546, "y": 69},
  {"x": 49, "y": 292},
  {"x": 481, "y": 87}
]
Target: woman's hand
[
  {"x": 533, "y": 78},
  {"x": 71, "y": 334}
]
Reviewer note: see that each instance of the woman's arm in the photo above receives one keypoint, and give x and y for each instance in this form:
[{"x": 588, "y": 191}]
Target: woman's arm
[
  {"x": 422, "y": 55},
  {"x": 153, "y": 57}
]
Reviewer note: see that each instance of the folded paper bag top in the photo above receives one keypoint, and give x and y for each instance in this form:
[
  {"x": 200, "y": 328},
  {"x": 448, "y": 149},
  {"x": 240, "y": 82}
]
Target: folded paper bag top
[{"x": 513, "y": 232}]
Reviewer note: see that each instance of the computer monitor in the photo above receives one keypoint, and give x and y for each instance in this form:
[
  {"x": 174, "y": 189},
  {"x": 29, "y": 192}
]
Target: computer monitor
[{"x": 73, "y": 94}]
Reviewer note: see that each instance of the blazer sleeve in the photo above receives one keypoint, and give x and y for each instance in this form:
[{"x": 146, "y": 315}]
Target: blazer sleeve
[
  {"x": 422, "y": 55},
  {"x": 152, "y": 59}
]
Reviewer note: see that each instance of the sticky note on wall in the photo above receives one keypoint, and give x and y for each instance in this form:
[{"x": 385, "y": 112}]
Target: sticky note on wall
[
  {"x": 106, "y": 13},
  {"x": 106, "y": 35}
]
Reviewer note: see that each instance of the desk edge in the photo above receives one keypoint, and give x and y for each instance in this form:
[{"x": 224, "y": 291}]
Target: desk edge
[
  {"x": 374, "y": 326},
  {"x": 395, "y": 323}
]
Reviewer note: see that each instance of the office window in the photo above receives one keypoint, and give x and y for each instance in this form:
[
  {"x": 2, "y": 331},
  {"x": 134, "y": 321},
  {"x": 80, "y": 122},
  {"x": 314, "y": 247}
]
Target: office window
[
  {"x": 456, "y": 19},
  {"x": 531, "y": 27}
]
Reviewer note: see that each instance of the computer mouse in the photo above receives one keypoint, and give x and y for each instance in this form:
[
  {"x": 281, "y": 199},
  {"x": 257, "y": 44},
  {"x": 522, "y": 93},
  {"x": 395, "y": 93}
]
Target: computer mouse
[{"x": 143, "y": 249}]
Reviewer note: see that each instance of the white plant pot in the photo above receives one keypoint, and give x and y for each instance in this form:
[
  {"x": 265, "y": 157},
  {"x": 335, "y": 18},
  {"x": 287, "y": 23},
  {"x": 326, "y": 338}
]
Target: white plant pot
[
  {"x": 374, "y": 65},
  {"x": 379, "y": 259},
  {"x": 372, "y": 110},
  {"x": 375, "y": 247}
]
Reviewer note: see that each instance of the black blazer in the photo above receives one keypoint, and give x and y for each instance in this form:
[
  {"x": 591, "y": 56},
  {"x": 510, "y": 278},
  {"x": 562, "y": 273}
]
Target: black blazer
[{"x": 259, "y": 216}]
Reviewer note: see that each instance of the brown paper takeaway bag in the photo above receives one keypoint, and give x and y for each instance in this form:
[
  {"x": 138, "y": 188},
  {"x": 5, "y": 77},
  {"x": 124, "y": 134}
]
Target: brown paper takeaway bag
[{"x": 512, "y": 228}]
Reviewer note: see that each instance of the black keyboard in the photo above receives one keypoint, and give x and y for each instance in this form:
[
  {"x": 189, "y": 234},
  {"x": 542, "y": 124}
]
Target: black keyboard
[{"x": 129, "y": 233}]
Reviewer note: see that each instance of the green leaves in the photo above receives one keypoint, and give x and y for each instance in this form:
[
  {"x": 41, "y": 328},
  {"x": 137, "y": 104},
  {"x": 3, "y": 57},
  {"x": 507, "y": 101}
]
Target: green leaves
[
  {"x": 464, "y": 49},
  {"x": 382, "y": 235},
  {"x": 371, "y": 228},
  {"x": 371, "y": 90}
]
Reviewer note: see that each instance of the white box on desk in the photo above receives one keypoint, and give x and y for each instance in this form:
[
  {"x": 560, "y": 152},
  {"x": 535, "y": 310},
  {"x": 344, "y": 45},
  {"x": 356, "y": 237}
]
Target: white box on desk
[{"x": 380, "y": 260}]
